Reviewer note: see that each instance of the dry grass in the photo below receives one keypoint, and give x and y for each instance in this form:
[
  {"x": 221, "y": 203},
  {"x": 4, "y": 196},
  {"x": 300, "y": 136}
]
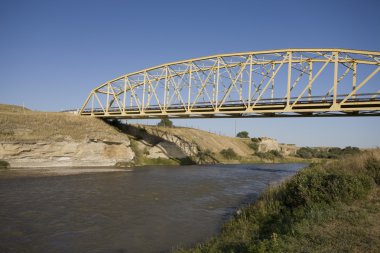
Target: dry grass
[
  {"x": 12, "y": 108},
  {"x": 352, "y": 228},
  {"x": 18, "y": 124}
]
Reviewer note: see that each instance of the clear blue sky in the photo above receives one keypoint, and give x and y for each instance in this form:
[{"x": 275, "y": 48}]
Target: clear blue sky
[{"x": 52, "y": 53}]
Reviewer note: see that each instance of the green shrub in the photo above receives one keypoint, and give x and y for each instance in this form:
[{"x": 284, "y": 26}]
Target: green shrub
[
  {"x": 269, "y": 155},
  {"x": 4, "y": 164},
  {"x": 204, "y": 154},
  {"x": 254, "y": 146},
  {"x": 305, "y": 152},
  {"x": 276, "y": 153},
  {"x": 228, "y": 153},
  {"x": 311, "y": 187},
  {"x": 331, "y": 153},
  {"x": 255, "y": 139}
]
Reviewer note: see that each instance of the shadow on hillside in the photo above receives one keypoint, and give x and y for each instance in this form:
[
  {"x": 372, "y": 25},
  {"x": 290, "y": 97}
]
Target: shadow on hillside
[{"x": 140, "y": 134}]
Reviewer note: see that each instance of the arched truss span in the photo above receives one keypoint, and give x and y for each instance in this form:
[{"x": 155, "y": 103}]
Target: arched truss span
[{"x": 290, "y": 82}]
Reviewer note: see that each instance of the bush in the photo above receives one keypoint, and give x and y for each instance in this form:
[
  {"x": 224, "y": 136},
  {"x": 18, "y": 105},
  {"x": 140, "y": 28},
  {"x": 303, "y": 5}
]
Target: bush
[
  {"x": 242, "y": 134},
  {"x": 305, "y": 152},
  {"x": 270, "y": 155},
  {"x": 255, "y": 140},
  {"x": 204, "y": 154},
  {"x": 165, "y": 123},
  {"x": 4, "y": 164},
  {"x": 331, "y": 153},
  {"x": 313, "y": 187},
  {"x": 228, "y": 153},
  {"x": 254, "y": 146}
]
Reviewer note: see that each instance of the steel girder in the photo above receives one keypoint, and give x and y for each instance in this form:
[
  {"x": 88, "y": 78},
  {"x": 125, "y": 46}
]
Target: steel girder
[{"x": 274, "y": 83}]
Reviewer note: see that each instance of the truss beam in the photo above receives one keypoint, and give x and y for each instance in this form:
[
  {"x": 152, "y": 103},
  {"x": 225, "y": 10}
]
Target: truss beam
[{"x": 273, "y": 83}]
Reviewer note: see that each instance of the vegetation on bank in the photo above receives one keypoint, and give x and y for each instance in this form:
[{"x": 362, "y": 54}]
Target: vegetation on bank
[
  {"x": 4, "y": 164},
  {"x": 328, "y": 207},
  {"x": 329, "y": 153},
  {"x": 229, "y": 153}
]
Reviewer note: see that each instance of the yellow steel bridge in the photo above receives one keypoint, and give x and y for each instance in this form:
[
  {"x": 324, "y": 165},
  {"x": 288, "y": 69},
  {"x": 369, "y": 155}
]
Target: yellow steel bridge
[{"x": 274, "y": 83}]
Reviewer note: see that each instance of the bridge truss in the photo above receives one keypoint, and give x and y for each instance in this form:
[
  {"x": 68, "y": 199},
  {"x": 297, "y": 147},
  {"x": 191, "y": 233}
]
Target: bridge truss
[{"x": 275, "y": 83}]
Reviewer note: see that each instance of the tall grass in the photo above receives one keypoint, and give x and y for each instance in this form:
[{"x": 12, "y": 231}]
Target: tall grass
[{"x": 292, "y": 216}]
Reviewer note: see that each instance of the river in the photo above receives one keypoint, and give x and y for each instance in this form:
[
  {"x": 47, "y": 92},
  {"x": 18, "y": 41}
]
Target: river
[{"x": 148, "y": 209}]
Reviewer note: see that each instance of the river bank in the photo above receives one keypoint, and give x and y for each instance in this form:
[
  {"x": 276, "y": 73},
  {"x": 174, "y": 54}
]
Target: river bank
[
  {"x": 56, "y": 171},
  {"x": 328, "y": 207},
  {"x": 50, "y": 139},
  {"x": 32, "y": 139}
]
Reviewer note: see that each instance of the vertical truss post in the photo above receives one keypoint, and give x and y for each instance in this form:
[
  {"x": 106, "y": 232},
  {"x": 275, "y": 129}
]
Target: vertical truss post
[
  {"x": 310, "y": 78},
  {"x": 354, "y": 78},
  {"x": 213, "y": 87},
  {"x": 272, "y": 91},
  {"x": 149, "y": 97},
  {"x": 335, "y": 77},
  {"x": 189, "y": 88},
  {"x": 290, "y": 56},
  {"x": 250, "y": 81},
  {"x": 217, "y": 85},
  {"x": 130, "y": 98},
  {"x": 143, "y": 93},
  {"x": 241, "y": 86},
  {"x": 166, "y": 86},
  {"x": 125, "y": 94},
  {"x": 108, "y": 98}
]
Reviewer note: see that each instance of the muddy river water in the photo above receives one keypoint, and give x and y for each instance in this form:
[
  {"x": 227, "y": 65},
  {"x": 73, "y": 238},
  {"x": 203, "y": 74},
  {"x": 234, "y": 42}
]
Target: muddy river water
[{"x": 148, "y": 209}]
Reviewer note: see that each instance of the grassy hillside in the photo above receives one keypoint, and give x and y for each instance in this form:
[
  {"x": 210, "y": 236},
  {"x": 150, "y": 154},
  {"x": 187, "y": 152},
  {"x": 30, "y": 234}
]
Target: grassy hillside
[
  {"x": 217, "y": 143},
  {"x": 329, "y": 207},
  {"x": 18, "y": 124},
  {"x": 210, "y": 141}
]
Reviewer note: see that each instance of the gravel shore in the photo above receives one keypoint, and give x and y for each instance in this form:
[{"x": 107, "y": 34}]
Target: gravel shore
[{"x": 57, "y": 171}]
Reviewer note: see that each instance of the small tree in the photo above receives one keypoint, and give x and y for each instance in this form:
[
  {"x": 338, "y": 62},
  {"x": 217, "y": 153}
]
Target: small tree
[
  {"x": 165, "y": 123},
  {"x": 242, "y": 134}
]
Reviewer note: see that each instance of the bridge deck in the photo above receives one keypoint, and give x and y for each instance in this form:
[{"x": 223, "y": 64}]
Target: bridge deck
[{"x": 271, "y": 108}]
